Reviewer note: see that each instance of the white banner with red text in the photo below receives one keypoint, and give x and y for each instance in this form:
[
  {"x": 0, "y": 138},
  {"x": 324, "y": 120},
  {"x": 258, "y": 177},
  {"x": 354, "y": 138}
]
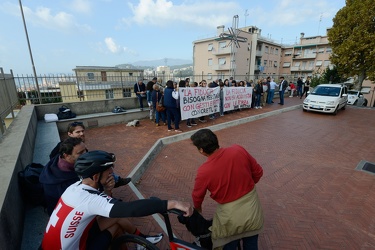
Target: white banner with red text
[{"x": 197, "y": 102}]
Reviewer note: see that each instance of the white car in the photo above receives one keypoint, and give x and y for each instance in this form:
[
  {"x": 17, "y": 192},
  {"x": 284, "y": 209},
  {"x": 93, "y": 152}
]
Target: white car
[
  {"x": 326, "y": 98},
  {"x": 354, "y": 96}
]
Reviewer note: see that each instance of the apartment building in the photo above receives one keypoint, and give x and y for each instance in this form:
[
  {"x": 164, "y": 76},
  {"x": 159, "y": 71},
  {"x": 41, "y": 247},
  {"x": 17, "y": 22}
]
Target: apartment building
[
  {"x": 310, "y": 56},
  {"x": 100, "y": 83},
  {"x": 257, "y": 56}
]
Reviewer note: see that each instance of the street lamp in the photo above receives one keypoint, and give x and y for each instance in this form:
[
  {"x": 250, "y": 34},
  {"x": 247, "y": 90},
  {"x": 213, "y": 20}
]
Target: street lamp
[{"x": 31, "y": 55}]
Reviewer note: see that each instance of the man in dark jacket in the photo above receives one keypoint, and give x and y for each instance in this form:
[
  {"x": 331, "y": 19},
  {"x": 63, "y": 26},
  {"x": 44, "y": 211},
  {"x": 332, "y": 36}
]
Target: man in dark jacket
[
  {"x": 140, "y": 92},
  {"x": 282, "y": 87},
  {"x": 59, "y": 173},
  {"x": 170, "y": 102}
]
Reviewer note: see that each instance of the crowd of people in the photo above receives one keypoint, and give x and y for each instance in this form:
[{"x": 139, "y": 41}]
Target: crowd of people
[{"x": 263, "y": 94}]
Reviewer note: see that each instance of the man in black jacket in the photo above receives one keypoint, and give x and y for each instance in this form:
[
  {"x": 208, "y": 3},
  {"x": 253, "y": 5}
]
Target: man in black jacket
[{"x": 282, "y": 87}]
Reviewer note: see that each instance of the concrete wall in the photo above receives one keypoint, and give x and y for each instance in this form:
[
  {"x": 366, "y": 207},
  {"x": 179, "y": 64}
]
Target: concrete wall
[
  {"x": 89, "y": 107},
  {"x": 16, "y": 151}
]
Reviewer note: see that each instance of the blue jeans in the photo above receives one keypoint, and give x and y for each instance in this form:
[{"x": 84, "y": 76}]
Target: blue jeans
[
  {"x": 270, "y": 96},
  {"x": 299, "y": 91},
  {"x": 257, "y": 100},
  {"x": 140, "y": 99},
  {"x": 281, "y": 94},
  {"x": 157, "y": 116},
  {"x": 248, "y": 243}
]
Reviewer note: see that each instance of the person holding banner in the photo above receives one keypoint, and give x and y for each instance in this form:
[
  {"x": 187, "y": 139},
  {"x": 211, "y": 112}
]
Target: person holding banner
[{"x": 170, "y": 103}]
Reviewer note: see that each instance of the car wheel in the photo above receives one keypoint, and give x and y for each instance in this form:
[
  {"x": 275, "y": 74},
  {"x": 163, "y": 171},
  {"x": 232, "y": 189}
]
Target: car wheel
[
  {"x": 304, "y": 110},
  {"x": 343, "y": 108},
  {"x": 355, "y": 103}
]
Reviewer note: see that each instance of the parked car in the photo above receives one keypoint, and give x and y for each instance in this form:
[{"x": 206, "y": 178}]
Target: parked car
[
  {"x": 326, "y": 98},
  {"x": 354, "y": 96}
]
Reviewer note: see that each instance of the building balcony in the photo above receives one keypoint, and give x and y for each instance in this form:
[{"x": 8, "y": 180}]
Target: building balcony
[
  {"x": 259, "y": 53},
  {"x": 222, "y": 51},
  {"x": 294, "y": 68},
  {"x": 221, "y": 67},
  {"x": 305, "y": 56},
  {"x": 306, "y": 68}
]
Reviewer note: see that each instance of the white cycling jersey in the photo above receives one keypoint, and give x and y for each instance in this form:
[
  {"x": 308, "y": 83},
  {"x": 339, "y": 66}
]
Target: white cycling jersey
[{"x": 74, "y": 215}]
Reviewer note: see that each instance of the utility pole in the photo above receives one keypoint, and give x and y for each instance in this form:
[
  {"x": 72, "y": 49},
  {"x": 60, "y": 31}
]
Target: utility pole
[
  {"x": 31, "y": 55},
  {"x": 246, "y": 15}
]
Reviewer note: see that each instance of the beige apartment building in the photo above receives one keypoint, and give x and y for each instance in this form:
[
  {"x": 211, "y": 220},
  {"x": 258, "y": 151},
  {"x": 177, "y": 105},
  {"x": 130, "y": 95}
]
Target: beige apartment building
[
  {"x": 100, "y": 83},
  {"x": 257, "y": 56}
]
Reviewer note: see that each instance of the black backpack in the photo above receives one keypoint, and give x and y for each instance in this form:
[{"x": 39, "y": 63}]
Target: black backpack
[
  {"x": 65, "y": 113},
  {"x": 31, "y": 189}
]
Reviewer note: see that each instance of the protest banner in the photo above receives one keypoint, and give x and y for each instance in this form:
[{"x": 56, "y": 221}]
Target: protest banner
[
  {"x": 237, "y": 97},
  {"x": 197, "y": 102}
]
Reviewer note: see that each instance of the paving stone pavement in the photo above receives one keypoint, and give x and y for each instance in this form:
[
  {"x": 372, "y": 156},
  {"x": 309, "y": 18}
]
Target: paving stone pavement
[{"x": 312, "y": 196}]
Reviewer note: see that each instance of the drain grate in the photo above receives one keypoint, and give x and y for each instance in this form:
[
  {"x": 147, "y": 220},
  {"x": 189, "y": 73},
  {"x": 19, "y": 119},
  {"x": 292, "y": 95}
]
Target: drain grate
[
  {"x": 366, "y": 166},
  {"x": 370, "y": 167}
]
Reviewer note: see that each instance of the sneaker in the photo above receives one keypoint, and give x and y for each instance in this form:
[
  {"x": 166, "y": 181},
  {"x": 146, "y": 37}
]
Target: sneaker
[
  {"x": 188, "y": 125},
  {"x": 260, "y": 107},
  {"x": 157, "y": 125},
  {"x": 202, "y": 121},
  {"x": 256, "y": 107},
  {"x": 122, "y": 182},
  {"x": 178, "y": 130},
  {"x": 164, "y": 124},
  {"x": 154, "y": 238},
  {"x": 194, "y": 124},
  {"x": 169, "y": 130}
]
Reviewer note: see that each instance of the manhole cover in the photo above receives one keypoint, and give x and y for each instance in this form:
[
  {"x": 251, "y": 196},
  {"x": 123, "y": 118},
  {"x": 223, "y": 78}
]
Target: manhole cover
[{"x": 370, "y": 167}]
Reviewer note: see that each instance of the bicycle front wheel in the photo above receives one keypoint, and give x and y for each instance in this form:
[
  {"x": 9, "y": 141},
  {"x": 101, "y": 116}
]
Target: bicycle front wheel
[{"x": 132, "y": 242}]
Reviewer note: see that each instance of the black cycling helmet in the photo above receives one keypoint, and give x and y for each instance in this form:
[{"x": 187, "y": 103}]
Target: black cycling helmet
[{"x": 93, "y": 162}]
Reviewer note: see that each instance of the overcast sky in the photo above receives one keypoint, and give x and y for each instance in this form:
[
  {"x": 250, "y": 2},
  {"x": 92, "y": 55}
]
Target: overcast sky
[{"x": 66, "y": 34}]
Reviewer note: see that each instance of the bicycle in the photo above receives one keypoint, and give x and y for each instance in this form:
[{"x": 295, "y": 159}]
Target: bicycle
[{"x": 134, "y": 242}]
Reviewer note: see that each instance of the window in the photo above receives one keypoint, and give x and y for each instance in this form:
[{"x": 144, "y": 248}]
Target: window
[
  {"x": 276, "y": 51},
  {"x": 90, "y": 76},
  {"x": 296, "y": 64},
  {"x": 109, "y": 94},
  {"x": 328, "y": 50},
  {"x": 209, "y": 76},
  {"x": 318, "y": 63},
  {"x": 271, "y": 51},
  {"x": 265, "y": 63},
  {"x": 266, "y": 50},
  {"x": 311, "y": 64},
  {"x": 222, "y": 45},
  {"x": 270, "y": 63},
  {"x": 222, "y": 61},
  {"x": 326, "y": 63},
  {"x": 275, "y": 63},
  {"x": 321, "y": 50},
  {"x": 288, "y": 53},
  {"x": 130, "y": 73},
  {"x": 210, "y": 47},
  {"x": 210, "y": 62},
  {"x": 286, "y": 65},
  {"x": 313, "y": 51}
]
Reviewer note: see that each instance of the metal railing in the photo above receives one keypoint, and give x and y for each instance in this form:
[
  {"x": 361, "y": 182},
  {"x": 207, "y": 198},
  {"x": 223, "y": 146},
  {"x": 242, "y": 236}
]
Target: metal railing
[{"x": 69, "y": 88}]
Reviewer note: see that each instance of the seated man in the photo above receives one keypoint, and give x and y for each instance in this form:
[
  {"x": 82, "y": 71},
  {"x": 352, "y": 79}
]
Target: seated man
[
  {"x": 59, "y": 174},
  {"x": 97, "y": 217},
  {"x": 77, "y": 130}
]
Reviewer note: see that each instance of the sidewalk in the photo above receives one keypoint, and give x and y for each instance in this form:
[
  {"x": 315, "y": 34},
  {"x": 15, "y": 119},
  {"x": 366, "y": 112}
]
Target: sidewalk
[{"x": 312, "y": 196}]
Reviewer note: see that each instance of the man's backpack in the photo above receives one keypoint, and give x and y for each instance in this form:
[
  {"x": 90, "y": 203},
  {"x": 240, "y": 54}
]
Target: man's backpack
[
  {"x": 65, "y": 113},
  {"x": 31, "y": 189}
]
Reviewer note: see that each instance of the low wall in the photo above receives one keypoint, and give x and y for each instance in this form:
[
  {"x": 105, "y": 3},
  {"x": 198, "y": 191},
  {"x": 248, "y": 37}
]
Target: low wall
[
  {"x": 89, "y": 107},
  {"x": 17, "y": 147}
]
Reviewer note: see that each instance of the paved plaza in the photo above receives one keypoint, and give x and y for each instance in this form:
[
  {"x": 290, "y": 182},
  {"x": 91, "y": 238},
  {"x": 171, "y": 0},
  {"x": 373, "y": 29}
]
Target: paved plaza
[{"x": 311, "y": 193}]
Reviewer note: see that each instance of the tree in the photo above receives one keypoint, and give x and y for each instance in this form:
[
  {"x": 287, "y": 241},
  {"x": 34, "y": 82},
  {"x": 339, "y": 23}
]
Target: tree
[{"x": 352, "y": 39}]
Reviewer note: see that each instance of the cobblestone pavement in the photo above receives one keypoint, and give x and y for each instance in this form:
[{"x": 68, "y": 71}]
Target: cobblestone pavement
[{"x": 312, "y": 196}]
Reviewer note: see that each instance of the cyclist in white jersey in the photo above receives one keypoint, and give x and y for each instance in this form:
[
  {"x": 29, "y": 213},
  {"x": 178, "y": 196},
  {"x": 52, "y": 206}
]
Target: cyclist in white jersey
[{"x": 86, "y": 218}]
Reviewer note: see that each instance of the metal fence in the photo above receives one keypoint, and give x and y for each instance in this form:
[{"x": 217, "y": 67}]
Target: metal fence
[
  {"x": 8, "y": 97},
  {"x": 53, "y": 88}
]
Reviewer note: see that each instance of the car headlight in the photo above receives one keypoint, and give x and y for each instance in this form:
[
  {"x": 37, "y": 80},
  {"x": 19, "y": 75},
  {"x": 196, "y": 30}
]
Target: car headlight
[
  {"x": 330, "y": 103},
  {"x": 351, "y": 97},
  {"x": 306, "y": 100}
]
